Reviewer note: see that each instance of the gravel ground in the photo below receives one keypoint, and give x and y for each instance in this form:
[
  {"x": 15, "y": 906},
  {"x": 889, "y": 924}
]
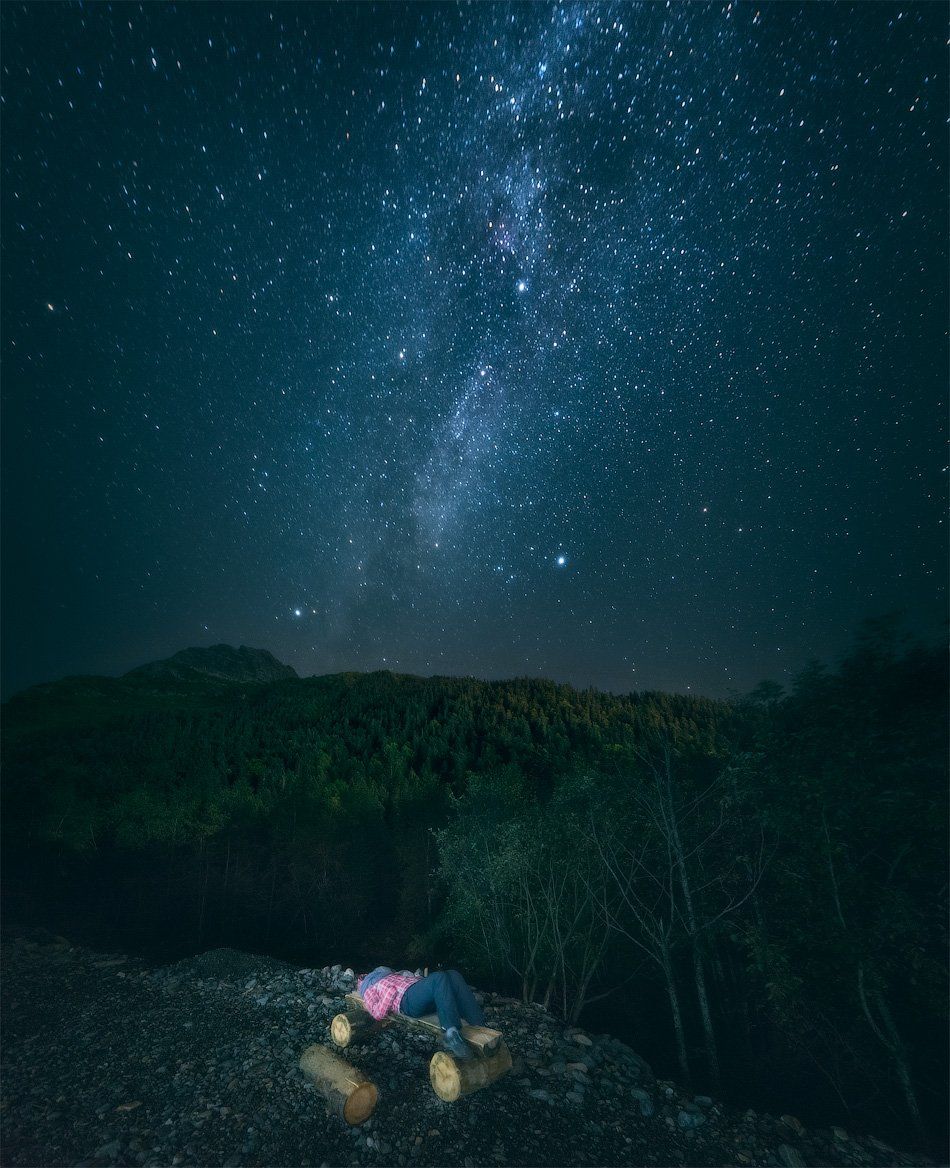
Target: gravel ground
[{"x": 109, "y": 1061}]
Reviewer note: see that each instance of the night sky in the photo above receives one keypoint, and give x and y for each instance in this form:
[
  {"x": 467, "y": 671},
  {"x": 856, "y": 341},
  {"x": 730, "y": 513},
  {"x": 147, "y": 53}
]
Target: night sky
[{"x": 604, "y": 343}]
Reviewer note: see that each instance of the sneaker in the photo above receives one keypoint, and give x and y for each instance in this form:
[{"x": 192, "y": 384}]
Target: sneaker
[{"x": 455, "y": 1044}]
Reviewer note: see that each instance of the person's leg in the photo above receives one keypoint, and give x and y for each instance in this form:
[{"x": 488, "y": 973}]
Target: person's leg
[
  {"x": 433, "y": 991},
  {"x": 419, "y": 999},
  {"x": 466, "y": 1001}
]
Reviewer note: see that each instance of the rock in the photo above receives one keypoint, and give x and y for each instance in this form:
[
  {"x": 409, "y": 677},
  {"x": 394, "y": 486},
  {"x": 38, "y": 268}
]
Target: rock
[
  {"x": 702, "y": 1100},
  {"x": 686, "y": 1120},
  {"x": 647, "y": 1108},
  {"x": 582, "y": 1040},
  {"x": 790, "y": 1157},
  {"x": 793, "y": 1124},
  {"x": 109, "y": 1151},
  {"x": 840, "y": 1134}
]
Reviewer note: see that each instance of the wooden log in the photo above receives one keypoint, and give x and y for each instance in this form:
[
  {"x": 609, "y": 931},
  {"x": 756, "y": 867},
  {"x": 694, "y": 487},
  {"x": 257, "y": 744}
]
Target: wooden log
[
  {"x": 451, "y": 1078},
  {"x": 352, "y": 1026},
  {"x": 347, "y": 1091}
]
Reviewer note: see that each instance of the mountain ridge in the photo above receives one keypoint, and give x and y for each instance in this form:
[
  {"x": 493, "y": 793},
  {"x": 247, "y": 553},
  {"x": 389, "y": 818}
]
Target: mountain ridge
[{"x": 221, "y": 662}]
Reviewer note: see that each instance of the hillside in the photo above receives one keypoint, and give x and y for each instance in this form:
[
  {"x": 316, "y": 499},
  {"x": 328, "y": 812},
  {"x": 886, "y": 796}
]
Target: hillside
[
  {"x": 196, "y": 1064},
  {"x": 734, "y": 887}
]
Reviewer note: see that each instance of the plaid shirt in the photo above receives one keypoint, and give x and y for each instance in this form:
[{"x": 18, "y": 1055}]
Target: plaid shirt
[{"x": 383, "y": 996}]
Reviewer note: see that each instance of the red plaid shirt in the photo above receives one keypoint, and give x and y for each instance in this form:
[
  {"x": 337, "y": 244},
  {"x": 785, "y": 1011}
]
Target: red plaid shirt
[{"x": 383, "y": 996}]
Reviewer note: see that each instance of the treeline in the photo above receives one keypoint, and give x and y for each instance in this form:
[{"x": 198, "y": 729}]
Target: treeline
[{"x": 757, "y": 887}]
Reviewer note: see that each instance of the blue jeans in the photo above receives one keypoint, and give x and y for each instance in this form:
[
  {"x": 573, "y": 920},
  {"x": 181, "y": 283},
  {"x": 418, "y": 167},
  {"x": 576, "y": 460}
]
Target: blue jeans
[{"x": 447, "y": 993}]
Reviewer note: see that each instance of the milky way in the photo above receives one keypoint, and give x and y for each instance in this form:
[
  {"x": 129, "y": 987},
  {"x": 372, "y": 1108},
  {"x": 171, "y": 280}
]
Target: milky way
[{"x": 605, "y": 343}]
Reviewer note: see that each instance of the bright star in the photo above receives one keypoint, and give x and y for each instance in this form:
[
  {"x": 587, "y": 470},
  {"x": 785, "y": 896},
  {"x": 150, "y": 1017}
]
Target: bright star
[
  {"x": 561, "y": 561},
  {"x": 298, "y": 612},
  {"x": 522, "y": 286}
]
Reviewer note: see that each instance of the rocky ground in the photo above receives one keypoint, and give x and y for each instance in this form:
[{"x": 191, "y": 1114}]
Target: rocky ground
[{"x": 110, "y": 1061}]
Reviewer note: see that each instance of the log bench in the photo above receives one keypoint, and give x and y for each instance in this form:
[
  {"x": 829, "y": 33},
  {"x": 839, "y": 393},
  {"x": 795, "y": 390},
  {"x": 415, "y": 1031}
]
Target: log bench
[{"x": 450, "y": 1077}]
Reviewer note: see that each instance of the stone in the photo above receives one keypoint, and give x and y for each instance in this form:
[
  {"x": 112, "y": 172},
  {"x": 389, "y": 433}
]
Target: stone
[
  {"x": 582, "y": 1040},
  {"x": 840, "y": 1134},
  {"x": 647, "y": 1108},
  {"x": 793, "y": 1124},
  {"x": 686, "y": 1120},
  {"x": 790, "y": 1157},
  {"x": 702, "y": 1100}
]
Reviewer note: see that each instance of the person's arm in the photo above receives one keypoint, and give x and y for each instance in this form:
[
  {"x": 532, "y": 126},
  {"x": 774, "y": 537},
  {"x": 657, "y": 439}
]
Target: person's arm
[{"x": 371, "y": 978}]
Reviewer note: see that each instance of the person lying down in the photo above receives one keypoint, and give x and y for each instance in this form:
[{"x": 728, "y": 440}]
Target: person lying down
[{"x": 444, "y": 993}]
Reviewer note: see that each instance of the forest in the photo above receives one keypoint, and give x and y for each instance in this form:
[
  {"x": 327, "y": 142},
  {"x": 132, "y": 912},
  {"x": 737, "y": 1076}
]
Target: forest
[{"x": 752, "y": 892}]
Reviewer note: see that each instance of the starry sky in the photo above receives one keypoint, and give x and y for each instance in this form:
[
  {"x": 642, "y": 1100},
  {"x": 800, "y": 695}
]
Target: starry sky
[{"x": 605, "y": 343}]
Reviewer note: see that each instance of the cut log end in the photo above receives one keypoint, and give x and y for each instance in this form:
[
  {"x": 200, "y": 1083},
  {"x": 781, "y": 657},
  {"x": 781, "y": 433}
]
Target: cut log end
[
  {"x": 352, "y": 1026},
  {"x": 451, "y": 1078},
  {"x": 340, "y": 1030},
  {"x": 444, "y": 1077},
  {"x": 361, "y": 1104}
]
